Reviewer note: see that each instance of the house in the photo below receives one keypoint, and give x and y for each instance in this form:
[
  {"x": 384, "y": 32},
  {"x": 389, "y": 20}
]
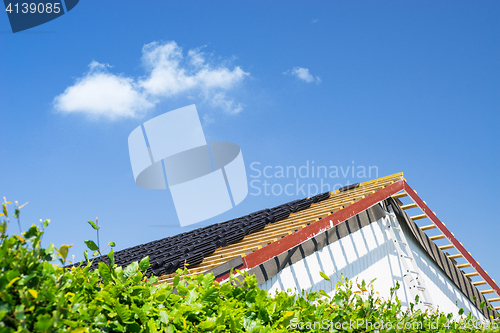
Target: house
[{"x": 362, "y": 231}]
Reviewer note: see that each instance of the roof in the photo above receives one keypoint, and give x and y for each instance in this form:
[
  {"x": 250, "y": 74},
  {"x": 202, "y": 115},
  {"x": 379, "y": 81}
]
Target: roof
[
  {"x": 249, "y": 241},
  {"x": 208, "y": 247}
]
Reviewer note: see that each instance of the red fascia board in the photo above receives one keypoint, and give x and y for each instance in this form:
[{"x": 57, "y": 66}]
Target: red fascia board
[
  {"x": 450, "y": 237},
  {"x": 284, "y": 244}
]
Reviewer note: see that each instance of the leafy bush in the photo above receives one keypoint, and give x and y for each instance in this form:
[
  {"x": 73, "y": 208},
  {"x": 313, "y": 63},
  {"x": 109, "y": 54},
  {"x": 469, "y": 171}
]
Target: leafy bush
[{"x": 38, "y": 296}]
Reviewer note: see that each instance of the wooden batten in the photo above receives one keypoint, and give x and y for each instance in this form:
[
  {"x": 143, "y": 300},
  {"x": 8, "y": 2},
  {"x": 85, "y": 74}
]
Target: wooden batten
[
  {"x": 400, "y": 195},
  {"x": 455, "y": 256},
  {"x": 418, "y": 217},
  {"x": 437, "y": 237},
  {"x": 428, "y": 227},
  {"x": 487, "y": 291},
  {"x": 409, "y": 206}
]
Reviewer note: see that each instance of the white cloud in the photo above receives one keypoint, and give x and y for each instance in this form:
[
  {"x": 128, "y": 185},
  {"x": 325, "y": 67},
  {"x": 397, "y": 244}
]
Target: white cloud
[
  {"x": 169, "y": 74},
  {"x": 303, "y": 74},
  {"x": 99, "y": 93},
  {"x": 315, "y": 20},
  {"x": 227, "y": 104}
]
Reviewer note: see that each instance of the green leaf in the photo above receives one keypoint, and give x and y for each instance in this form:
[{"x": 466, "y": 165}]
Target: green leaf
[
  {"x": 191, "y": 297},
  {"x": 176, "y": 280},
  {"x": 31, "y": 233},
  {"x": 111, "y": 257},
  {"x": 104, "y": 271},
  {"x": 152, "y": 326},
  {"x": 208, "y": 280},
  {"x": 50, "y": 253},
  {"x": 20, "y": 315},
  {"x": 131, "y": 269},
  {"x": 112, "y": 244},
  {"x": 164, "y": 317},
  {"x": 93, "y": 224},
  {"x": 139, "y": 313},
  {"x": 4, "y": 208},
  {"x": 324, "y": 276},
  {"x": 483, "y": 303},
  {"x": 206, "y": 325},
  {"x": 134, "y": 327},
  {"x": 209, "y": 295},
  {"x": 43, "y": 323},
  {"x": 91, "y": 245},
  {"x": 144, "y": 264},
  {"x": 46, "y": 223},
  {"x": 461, "y": 311},
  {"x": 261, "y": 296},
  {"x": 122, "y": 311},
  {"x": 137, "y": 277},
  {"x": 85, "y": 254},
  {"x": 338, "y": 300}
]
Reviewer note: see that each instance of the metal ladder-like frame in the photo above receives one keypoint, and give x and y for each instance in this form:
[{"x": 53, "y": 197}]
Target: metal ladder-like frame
[{"x": 412, "y": 275}]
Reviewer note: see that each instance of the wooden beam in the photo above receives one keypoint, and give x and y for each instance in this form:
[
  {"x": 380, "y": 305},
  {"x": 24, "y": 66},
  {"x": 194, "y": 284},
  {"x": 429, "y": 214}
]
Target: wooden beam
[
  {"x": 389, "y": 178},
  {"x": 497, "y": 308},
  {"x": 471, "y": 274},
  {"x": 428, "y": 227},
  {"x": 487, "y": 291},
  {"x": 455, "y": 256},
  {"x": 400, "y": 195},
  {"x": 496, "y": 299},
  {"x": 412, "y": 205},
  {"x": 446, "y": 247},
  {"x": 433, "y": 238},
  {"x": 479, "y": 283},
  {"x": 463, "y": 265},
  {"x": 418, "y": 217}
]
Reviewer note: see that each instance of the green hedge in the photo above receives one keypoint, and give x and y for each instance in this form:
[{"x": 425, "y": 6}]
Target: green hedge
[{"x": 38, "y": 296}]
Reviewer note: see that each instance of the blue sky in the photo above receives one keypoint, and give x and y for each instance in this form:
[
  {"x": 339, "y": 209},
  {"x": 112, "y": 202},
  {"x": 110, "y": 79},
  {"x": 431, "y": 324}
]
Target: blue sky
[{"x": 407, "y": 87}]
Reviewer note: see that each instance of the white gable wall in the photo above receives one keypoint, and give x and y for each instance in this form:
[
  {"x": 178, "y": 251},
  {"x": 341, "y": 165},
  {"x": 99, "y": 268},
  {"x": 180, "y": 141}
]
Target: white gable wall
[{"x": 369, "y": 253}]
